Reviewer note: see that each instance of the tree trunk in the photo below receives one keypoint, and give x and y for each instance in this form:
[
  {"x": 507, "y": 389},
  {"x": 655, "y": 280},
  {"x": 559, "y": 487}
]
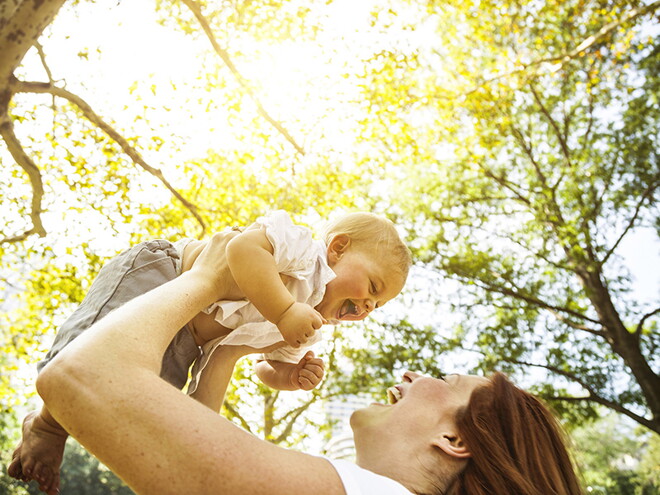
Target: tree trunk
[
  {"x": 21, "y": 24},
  {"x": 624, "y": 343}
]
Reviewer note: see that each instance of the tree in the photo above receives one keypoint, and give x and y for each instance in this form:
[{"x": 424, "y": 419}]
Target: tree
[
  {"x": 73, "y": 169},
  {"x": 69, "y": 157},
  {"x": 527, "y": 145},
  {"x": 516, "y": 141},
  {"x": 621, "y": 468}
]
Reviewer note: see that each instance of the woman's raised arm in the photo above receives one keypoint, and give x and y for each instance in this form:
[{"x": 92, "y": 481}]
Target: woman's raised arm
[{"x": 104, "y": 389}]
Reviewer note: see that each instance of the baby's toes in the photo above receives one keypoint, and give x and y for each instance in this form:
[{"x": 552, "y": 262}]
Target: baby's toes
[
  {"x": 54, "y": 486},
  {"x": 15, "y": 470},
  {"x": 27, "y": 466},
  {"x": 41, "y": 473}
]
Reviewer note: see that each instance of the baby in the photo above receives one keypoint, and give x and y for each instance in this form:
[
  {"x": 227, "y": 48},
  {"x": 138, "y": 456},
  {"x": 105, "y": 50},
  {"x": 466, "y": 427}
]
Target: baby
[{"x": 281, "y": 286}]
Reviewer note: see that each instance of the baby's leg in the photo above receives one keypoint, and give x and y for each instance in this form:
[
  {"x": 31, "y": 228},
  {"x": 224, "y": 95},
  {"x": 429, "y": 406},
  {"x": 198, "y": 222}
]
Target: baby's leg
[
  {"x": 135, "y": 271},
  {"x": 38, "y": 455}
]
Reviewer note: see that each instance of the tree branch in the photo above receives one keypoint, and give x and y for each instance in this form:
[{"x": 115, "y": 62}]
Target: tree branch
[
  {"x": 561, "y": 318},
  {"x": 88, "y": 112},
  {"x": 553, "y": 124},
  {"x": 21, "y": 24},
  {"x": 292, "y": 419},
  {"x": 575, "y": 325},
  {"x": 592, "y": 397},
  {"x": 640, "y": 325},
  {"x": 607, "y": 403},
  {"x": 527, "y": 148},
  {"x": 233, "y": 413},
  {"x": 504, "y": 183},
  {"x": 649, "y": 191},
  {"x": 608, "y": 175},
  {"x": 537, "y": 168},
  {"x": 224, "y": 55},
  {"x": 509, "y": 238},
  {"x": 537, "y": 302},
  {"x": 556, "y": 63},
  {"x": 562, "y": 138},
  {"x": 31, "y": 169},
  {"x": 602, "y": 32},
  {"x": 42, "y": 57}
]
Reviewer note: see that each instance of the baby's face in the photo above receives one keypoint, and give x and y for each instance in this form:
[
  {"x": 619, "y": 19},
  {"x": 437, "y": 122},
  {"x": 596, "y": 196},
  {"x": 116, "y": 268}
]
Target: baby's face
[{"x": 363, "y": 283}]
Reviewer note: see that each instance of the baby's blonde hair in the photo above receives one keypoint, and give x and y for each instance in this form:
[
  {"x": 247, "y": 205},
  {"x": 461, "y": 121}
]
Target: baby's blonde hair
[{"x": 372, "y": 234}]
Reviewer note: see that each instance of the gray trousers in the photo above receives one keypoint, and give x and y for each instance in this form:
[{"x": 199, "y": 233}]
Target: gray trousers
[{"x": 126, "y": 276}]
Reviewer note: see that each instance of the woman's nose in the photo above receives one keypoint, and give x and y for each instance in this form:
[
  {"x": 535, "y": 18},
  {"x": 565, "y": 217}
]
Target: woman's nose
[{"x": 410, "y": 376}]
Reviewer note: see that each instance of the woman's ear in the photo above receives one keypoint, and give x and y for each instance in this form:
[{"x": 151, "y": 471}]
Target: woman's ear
[
  {"x": 337, "y": 247},
  {"x": 452, "y": 445}
]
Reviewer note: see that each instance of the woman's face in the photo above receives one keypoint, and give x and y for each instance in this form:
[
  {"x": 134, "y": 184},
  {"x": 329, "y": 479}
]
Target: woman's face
[{"x": 420, "y": 409}]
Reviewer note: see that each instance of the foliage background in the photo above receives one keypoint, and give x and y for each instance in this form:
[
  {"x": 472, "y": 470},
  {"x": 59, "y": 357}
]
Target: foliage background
[{"x": 514, "y": 143}]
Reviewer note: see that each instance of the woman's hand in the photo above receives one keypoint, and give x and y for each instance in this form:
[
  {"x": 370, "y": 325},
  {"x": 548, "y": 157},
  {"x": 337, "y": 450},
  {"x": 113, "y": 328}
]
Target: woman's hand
[{"x": 211, "y": 265}]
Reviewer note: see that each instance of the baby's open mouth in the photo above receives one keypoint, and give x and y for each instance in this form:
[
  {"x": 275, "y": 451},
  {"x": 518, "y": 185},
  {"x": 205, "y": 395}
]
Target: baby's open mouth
[{"x": 348, "y": 309}]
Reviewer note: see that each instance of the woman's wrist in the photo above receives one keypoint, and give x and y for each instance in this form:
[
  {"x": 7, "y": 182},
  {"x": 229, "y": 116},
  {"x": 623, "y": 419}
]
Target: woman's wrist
[{"x": 205, "y": 287}]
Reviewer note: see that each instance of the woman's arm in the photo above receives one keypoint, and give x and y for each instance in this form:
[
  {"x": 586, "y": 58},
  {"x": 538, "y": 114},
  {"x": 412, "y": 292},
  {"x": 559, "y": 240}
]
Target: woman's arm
[{"x": 105, "y": 391}]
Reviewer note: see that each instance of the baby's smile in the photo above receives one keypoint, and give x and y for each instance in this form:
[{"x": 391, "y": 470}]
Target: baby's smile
[{"x": 348, "y": 308}]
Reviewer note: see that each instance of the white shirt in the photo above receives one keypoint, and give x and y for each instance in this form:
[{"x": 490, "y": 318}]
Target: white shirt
[
  {"x": 304, "y": 262},
  {"x": 359, "y": 481}
]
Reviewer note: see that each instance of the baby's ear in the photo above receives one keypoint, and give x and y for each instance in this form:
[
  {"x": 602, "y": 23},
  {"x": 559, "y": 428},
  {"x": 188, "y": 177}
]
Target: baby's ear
[{"x": 338, "y": 246}]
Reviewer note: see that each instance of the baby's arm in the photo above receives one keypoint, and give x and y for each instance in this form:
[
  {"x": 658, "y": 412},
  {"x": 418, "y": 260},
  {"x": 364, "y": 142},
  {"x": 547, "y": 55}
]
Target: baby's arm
[
  {"x": 305, "y": 375},
  {"x": 250, "y": 259}
]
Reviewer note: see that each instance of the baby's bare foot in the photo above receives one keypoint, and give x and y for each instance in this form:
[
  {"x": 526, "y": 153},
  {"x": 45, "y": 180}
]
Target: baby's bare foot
[{"x": 38, "y": 455}]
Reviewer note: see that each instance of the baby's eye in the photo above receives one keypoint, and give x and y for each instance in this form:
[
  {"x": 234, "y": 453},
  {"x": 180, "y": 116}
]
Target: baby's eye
[{"x": 372, "y": 289}]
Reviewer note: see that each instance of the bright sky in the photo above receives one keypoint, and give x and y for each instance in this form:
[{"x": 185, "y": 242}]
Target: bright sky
[{"x": 133, "y": 47}]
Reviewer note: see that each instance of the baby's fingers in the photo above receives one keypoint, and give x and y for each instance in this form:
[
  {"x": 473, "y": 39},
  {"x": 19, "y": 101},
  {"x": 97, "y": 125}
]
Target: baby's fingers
[
  {"x": 315, "y": 369},
  {"x": 305, "y": 384},
  {"x": 308, "y": 380},
  {"x": 314, "y": 362}
]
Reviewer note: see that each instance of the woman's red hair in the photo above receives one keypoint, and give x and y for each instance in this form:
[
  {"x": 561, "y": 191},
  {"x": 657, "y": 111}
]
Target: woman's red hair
[{"x": 517, "y": 446}]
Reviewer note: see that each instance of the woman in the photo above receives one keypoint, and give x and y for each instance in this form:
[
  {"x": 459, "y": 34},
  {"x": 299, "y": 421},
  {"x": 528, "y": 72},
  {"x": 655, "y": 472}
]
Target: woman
[{"x": 460, "y": 433}]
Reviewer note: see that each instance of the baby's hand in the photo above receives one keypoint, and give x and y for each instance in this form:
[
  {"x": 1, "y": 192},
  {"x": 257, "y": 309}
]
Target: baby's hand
[
  {"x": 308, "y": 373},
  {"x": 298, "y": 323}
]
